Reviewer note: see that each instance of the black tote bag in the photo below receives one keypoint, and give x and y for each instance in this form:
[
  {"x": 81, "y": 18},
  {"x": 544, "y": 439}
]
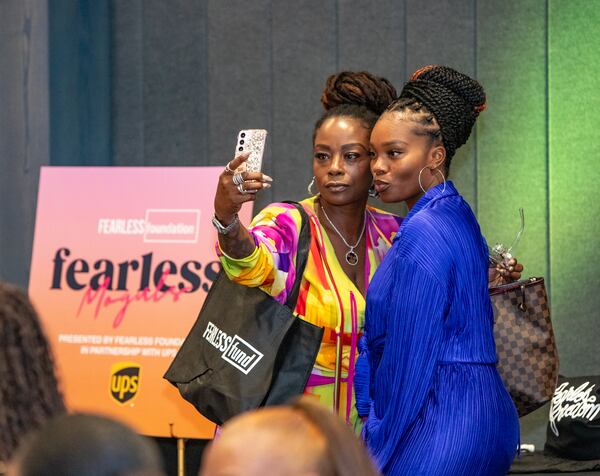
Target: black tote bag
[{"x": 245, "y": 349}]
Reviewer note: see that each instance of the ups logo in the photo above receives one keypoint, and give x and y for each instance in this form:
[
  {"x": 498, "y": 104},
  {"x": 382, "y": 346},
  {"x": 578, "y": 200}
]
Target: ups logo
[{"x": 124, "y": 381}]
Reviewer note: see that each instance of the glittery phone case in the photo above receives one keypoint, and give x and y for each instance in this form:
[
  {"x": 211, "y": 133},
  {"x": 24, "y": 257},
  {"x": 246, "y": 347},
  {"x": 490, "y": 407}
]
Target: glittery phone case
[{"x": 252, "y": 141}]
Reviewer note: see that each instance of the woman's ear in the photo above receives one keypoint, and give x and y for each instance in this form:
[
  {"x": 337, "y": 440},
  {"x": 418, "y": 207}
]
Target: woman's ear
[{"x": 437, "y": 157}]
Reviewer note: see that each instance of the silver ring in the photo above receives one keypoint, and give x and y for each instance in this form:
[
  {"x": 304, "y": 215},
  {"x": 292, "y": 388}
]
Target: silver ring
[
  {"x": 241, "y": 188},
  {"x": 228, "y": 170},
  {"x": 238, "y": 179}
]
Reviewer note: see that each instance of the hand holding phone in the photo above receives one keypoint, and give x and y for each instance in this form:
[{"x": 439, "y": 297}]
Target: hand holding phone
[
  {"x": 242, "y": 178},
  {"x": 251, "y": 141}
]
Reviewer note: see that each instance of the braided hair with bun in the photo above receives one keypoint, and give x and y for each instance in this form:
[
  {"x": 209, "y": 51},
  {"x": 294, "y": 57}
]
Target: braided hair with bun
[
  {"x": 356, "y": 94},
  {"x": 444, "y": 103}
]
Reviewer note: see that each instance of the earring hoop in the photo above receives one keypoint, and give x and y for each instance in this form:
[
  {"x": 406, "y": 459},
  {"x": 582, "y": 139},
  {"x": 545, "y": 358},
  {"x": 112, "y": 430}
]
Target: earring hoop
[
  {"x": 310, "y": 186},
  {"x": 436, "y": 170}
]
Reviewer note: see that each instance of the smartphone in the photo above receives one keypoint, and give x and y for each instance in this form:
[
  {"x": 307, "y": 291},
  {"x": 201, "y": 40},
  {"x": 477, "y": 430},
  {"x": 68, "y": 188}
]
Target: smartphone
[{"x": 252, "y": 141}]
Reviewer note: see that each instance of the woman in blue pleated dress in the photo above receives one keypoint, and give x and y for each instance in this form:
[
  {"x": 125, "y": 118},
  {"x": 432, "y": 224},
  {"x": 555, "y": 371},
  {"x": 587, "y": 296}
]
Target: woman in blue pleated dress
[{"x": 436, "y": 403}]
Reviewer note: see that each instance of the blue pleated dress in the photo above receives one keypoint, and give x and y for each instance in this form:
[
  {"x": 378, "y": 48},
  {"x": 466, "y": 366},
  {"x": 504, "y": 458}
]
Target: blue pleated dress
[{"x": 436, "y": 403}]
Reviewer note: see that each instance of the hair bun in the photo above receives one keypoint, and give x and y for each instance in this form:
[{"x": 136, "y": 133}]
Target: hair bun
[
  {"x": 468, "y": 89},
  {"x": 452, "y": 97},
  {"x": 358, "y": 89}
]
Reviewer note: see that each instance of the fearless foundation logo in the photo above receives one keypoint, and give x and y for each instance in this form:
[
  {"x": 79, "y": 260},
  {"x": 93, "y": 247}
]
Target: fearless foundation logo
[
  {"x": 236, "y": 351},
  {"x": 160, "y": 225},
  {"x": 124, "y": 381}
]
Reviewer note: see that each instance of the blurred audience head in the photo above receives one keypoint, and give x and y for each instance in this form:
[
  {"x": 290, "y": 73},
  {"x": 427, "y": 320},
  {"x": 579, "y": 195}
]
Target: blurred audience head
[
  {"x": 29, "y": 393},
  {"x": 86, "y": 445},
  {"x": 303, "y": 438}
]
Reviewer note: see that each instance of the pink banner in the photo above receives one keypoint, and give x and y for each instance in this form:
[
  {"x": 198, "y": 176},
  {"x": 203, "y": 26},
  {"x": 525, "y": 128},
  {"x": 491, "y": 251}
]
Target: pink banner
[{"x": 122, "y": 261}]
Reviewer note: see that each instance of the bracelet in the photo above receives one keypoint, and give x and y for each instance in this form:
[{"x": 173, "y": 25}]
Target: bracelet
[{"x": 222, "y": 229}]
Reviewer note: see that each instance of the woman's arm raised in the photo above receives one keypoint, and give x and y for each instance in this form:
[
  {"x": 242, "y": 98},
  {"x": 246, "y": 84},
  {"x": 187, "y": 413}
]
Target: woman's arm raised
[{"x": 235, "y": 189}]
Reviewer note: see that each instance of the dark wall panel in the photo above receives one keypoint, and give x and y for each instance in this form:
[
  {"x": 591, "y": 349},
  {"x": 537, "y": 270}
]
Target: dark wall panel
[
  {"x": 24, "y": 129},
  {"x": 444, "y": 32},
  {"x": 79, "y": 65},
  {"x": 175, "y": 86},
  {"x": 127, "y": 82},
  {"x": 160, "y": 83},
  {"x": 239, "y": 76},
  {"x": 440, "y": 32},
  {"x": 304, "y": 55},
  {"x": 371, "y": 37}
]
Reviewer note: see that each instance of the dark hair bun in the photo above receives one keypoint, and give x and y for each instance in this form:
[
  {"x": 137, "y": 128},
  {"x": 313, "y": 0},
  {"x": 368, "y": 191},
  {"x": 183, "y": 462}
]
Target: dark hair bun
[
  {"x": 358, "y": 89},
  {"x": 452, "y": 97},
  {"x": 460, "y": 84}
]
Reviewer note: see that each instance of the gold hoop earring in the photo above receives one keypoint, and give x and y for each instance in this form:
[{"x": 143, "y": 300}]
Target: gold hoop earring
[{"x": 438, "y": 171}]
